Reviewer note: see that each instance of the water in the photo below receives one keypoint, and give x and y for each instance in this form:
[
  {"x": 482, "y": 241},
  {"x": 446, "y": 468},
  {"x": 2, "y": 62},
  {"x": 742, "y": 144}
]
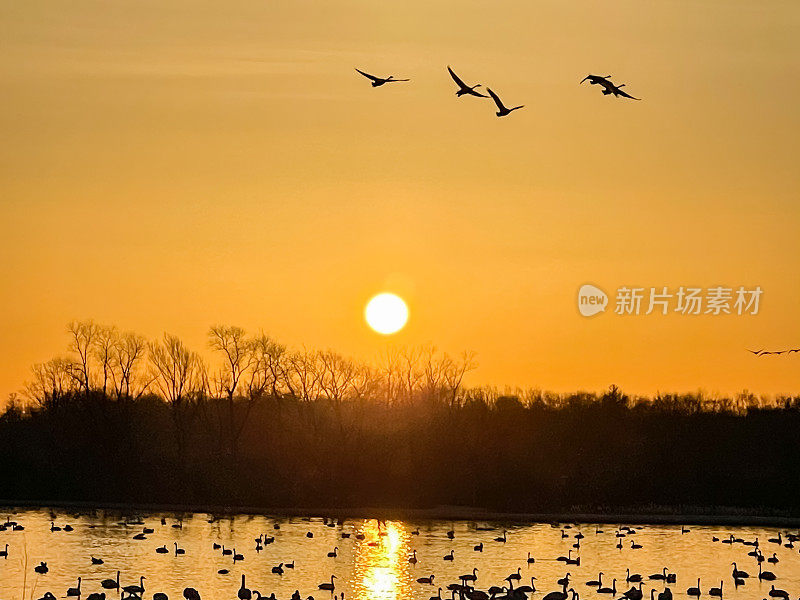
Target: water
[{"x": 380, "y": 571}]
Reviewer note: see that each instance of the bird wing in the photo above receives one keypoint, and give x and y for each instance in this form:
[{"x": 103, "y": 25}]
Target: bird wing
[
  {"x": 621, "y": 93},
  {"x": 474, "y": 93},
  {"x": 496, "y": 99},
  {"x": 456, "y": 78},
  {"x": 368, "y": 76}
]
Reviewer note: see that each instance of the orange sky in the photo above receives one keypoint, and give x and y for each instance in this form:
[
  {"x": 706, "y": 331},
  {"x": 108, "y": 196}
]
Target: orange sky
[{"x": 171, "y": 164}]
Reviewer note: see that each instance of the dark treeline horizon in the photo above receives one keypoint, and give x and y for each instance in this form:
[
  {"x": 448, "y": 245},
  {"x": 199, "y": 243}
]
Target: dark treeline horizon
[{"x": 123, "y": 420}]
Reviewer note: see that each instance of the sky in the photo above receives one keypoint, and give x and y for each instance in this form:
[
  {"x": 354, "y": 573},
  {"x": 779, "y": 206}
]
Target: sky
[{"x": 169, "y": 165}]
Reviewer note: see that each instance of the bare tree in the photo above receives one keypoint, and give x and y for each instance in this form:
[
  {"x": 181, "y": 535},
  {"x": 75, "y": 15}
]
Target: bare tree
[
  {"x": 103, "y": 345},
  {"x": 83, "y": 334},
  {"x": 237, "y": 358},
  {"x": 179, "y": 374},
  {"x": 52, "y": 381},
  {"x": 128, "y": 354},
  {"x": 305, "y": 374}
]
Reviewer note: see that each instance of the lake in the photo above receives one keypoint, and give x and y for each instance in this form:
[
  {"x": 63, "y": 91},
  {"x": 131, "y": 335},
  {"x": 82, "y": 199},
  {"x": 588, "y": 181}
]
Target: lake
[{"x": 372, "y": 560}]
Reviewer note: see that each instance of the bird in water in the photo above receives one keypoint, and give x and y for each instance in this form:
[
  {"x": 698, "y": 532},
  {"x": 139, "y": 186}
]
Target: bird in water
[
  {"x": 379, "y": 81},
  {"x": 608, "y": 86},
  {"x": 502, "y": 111},
  {"x": 463, "y": 88},
  {"x": 41, "y": 568}
]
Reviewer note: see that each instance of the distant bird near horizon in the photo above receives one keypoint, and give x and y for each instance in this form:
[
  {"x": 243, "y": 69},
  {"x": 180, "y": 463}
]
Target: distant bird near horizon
[
  {"x": 463, "y": 88},
  {"x": 379, "y": 81},
  {"x": 502, "y": 111},
  {"x": 608, "y": 86}
]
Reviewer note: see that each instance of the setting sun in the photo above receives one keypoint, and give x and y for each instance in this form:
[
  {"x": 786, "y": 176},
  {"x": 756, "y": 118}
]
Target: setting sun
[{"x": 386, "y": 313}]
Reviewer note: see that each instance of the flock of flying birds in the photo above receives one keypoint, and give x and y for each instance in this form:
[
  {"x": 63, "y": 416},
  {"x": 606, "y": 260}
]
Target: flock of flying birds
[
  {"x": 502, "y": 110},
  {"x": 777, "y": 352},
  {"x": 466, "y": 586}
]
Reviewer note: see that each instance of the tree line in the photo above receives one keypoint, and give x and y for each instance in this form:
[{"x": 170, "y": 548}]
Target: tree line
[{"x": 119, "y": 418}]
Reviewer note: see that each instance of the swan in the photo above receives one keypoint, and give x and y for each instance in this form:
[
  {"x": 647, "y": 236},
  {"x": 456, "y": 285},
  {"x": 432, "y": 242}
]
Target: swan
[
  {"x": 244, "y": 593},
  {"x": 659, "y": 576},
  {"x": 438, "y": 595},
  {"x": 502, "y": 111},
  {"x": 413, "y": 558},
  {"x": 530, "y": 560},
  {"x": 634, "y": 578},
  {"x": 561, "y": 595},
  {"x": 190, "y": 593},
  {"x": 450, "y": 556},
  {"x": 634, "y": 593},
  {"x": 767, "y": 575},
  {"x": 665, "y": 595},
  {"x": 379, "y": 81},
  {"x": 428, "y": 580},
  {"x": 776, "y": 593},
  {"x": 596, "y": 582},
  {"x": 278, "y": 570},
  {"x": 470, "y": 576},
  {"x": 518, "y": 575},
  {"x": 478, "y": 547},
  {"x": 135, "y": 589},
  {"x": 96, "y": 561},
  {"x": 76, "y": 591},
  {"x": 463, "y": 88},
  {"x": 694, "y": 591},
  {"x": 179, "y": 550},
  {"x": 327, "y": 586},
  {"x": 714, "y": 591},
  {"x": 608, "y": 87},
  {"x": 162, "y": 550},
  {"x": 41, "y": 568},
  {"x": 237, "y": 556},
  {"x": 635, "y": 546},
  {"x": 527, "y": 589},
  {"x": 335, "y": 552},
  {"x": 159, "y": 596},
  {"x": 502, "y": 539},
  {"x": 110, "y": 584}
]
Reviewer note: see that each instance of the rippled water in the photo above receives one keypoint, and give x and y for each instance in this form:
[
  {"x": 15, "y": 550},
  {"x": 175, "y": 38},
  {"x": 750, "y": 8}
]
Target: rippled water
[{"x": 375, "y": 567}]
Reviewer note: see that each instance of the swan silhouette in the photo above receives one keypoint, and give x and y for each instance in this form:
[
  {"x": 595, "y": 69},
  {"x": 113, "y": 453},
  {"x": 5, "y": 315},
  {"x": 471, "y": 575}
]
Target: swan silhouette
[
  {"x": 608, "y": 86},
  {"x": 502, "y": 111},
  {"x": 463, "y": 88},
  {"x": 379, "y": 81}
]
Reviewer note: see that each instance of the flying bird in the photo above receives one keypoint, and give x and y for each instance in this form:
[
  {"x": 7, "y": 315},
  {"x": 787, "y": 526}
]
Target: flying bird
[
  {"x": 502, "y": 111},
  {"x": 756, "y": 352},
  {"x": 608, "y": 86},
  {"x": 378, "y": 81},
  {"x": 463, "y": 88}
]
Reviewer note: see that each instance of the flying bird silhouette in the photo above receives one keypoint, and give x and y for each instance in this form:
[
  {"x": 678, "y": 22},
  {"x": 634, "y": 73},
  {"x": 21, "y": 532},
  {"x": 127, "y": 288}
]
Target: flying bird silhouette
[
  {"x": 756, "y": 352},
  {"x": 378, "y": 81},
  {"x": 608, "y": 86},
  {"x": 502, "y": 111},
  {"x": 463, "y": 88}
]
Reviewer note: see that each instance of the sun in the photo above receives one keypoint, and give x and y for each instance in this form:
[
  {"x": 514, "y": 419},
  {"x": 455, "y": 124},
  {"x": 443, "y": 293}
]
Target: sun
[{"x": 386, "y": 313}]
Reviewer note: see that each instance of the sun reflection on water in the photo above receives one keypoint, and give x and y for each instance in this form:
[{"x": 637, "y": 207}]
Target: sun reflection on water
[{"x": 381, "y": 569}]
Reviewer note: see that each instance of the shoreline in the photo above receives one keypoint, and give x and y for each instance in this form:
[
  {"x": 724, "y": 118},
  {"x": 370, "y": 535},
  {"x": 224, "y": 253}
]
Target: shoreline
[{"x": 656, "y": 515}]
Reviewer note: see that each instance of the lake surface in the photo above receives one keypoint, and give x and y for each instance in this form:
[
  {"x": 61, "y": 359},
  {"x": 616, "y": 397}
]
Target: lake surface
[{"x": 375, "y": 567}]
